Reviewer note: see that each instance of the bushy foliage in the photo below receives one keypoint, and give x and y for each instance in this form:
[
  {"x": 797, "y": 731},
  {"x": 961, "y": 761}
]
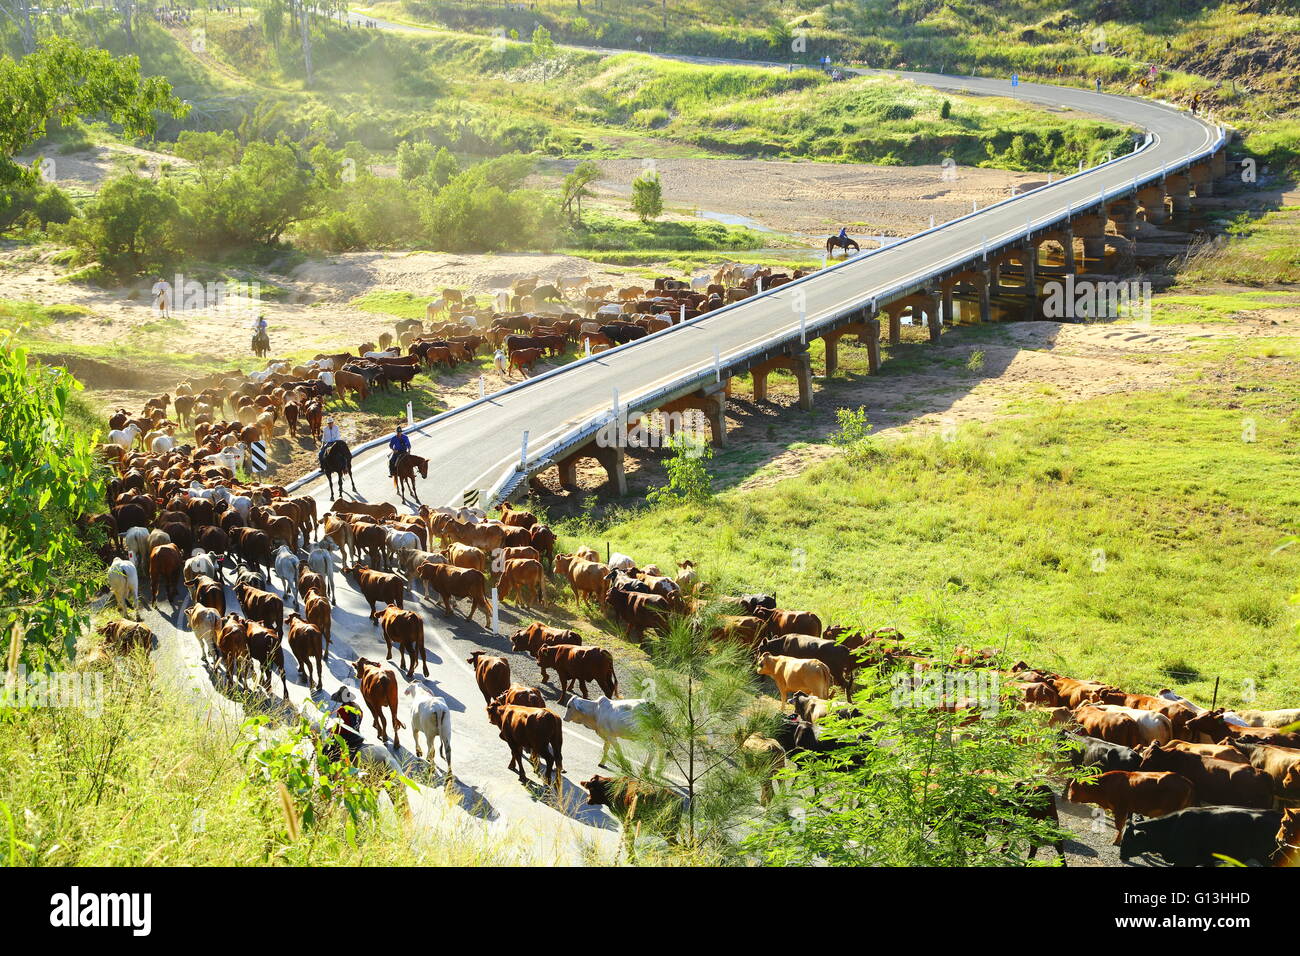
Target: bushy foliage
[{"x": 132, "y": 226}]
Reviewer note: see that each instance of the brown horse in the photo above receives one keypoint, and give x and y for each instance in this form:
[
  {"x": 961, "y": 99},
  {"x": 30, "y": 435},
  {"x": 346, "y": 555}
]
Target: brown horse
[
  {"x": 404, "y": 474},
  {"x": 835, "y": 242}
]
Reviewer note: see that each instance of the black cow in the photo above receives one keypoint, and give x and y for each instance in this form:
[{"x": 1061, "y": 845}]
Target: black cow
[
  {"x": 1193, "y": 836},
  {"x": 1102, "y": 754}
]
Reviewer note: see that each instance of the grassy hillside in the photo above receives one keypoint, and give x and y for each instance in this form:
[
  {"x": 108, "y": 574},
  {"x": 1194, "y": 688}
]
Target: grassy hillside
[{"x": 1242, "y": 58}]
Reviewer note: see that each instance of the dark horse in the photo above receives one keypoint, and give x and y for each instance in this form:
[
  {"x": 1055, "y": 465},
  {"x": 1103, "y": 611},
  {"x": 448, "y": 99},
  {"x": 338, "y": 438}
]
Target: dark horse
[
  {"x": 336, "y": 459},
  {"x": 261, "y": 343},
  {"x": 835, "y": 242},
  {"x": 404, "y": 470}
]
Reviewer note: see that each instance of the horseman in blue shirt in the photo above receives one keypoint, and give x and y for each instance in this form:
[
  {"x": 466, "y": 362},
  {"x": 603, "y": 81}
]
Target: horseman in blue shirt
[
  {"x": 399, "y": 445},
  {"x": 844, "y": 233}
]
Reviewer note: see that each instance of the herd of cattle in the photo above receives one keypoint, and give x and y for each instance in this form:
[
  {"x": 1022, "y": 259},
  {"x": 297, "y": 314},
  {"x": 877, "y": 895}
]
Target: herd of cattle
[
  {"x": 180, "y": 521},
  {"x": 1203, "y": 782}
]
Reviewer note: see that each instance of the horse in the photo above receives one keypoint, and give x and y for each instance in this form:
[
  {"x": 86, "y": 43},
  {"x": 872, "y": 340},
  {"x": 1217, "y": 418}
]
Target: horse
[
  {"x": 261, "y": 344},
  {"x": 337, "y": 459},
  {"x": 835, "y": 242},
  {"x": 404, "y": 474}
]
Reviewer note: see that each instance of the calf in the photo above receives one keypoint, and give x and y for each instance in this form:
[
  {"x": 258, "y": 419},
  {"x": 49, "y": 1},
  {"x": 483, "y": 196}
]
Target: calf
[
  {"x": 316, "y": 609},
  {"x": 581, "y": 664},
  {"x": 520, "y": 576},
  {"x": 125, "y": 635},
  {"x": 264, "y": 647},
  {"x": 1124, "y": 793}
]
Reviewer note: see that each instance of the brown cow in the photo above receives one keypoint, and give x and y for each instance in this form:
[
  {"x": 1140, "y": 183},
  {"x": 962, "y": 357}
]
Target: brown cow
[
  {"x": 1125, "y": 792},
  {"x": 1216, "y": 781},
  {"x": 209, "y": 593},
  {"x": 523, "y": 359},
  {"x": 520, "y": 695},
  {"x": 316, "y": 609},
  {"x": 165, "y": 563},
  {"x": 519, "y": 577},
  {"x": 406, "y": 630},
  {"x": 261, "y": 606},
  {"x": 232, "y": 648},
  {"x": 582, "y": 664},
  {"x": 379, "y": 690},
  {"x": 535, "y": 730},
  {"x": 491, "y": 673},
  {"x": 789, "y": 622},
  {"x": 378, "y": 511},
  {"x": 451, "y": 582},
  {"x": 378, "y": 587},
  {"x": 638, "y": 612},
  {"x": 307, "y": 644},
  {"x": 535, "y": 636},
  {"x": 124, "y": 635},
  {"x": 309, "y": 582},
  {"x": 264, "y": 647}
]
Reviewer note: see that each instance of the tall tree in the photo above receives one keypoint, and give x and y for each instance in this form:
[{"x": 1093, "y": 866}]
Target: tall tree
[{"x": 61, "y": 81}]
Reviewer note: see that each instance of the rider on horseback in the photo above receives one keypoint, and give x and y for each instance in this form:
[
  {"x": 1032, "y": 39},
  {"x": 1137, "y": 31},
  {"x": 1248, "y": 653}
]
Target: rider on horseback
[
  {"x": 399, "y": 445},
  {"x": 844, "y": 234},
  {"x": 260, "y": 335},
  {"x": 328, "y": 436}
]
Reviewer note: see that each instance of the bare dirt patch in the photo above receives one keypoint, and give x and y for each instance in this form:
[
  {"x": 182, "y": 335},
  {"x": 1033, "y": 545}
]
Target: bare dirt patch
[{"x": 815, "y": 199}]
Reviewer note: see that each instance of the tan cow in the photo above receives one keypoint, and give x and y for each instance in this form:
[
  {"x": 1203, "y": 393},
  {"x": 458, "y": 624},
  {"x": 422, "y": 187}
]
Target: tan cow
[{"x": 792, "y": 674}]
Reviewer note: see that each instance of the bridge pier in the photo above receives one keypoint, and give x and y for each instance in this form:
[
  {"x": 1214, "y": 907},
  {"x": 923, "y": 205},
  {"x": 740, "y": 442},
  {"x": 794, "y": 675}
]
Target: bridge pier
[
  {"x": 868, "y": 333},
  {"x": 711, "y": 401},
  {"x": 1178, "y": 187},
  {"x": 1153, "y": 201},
  {"x": 610, "y": 458},
  {"x": 796, "y": 362}
]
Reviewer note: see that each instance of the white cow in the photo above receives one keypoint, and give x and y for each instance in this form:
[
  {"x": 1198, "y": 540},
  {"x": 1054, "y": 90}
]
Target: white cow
[
  {"x": 610, "y": 719},
  {"x": 162, "y": 444},
  {"x": 621, "y": 562},
  {"x": 286, "y": 569},
  {"x": 241, "y": 505},
  {"x": 136, "y": 542},
  {"x": 199, "y": 562},
  {"x": 411, "y": 558},
  {"x": 124, "y": 582},
  {"x": 321, "y": 560},
  {"x": 124, "y": 437},
  {"x": 204, "y": 622},
  {"x": 429, "y": 716},
  {"x": 397, "y": 541},
  {"x": 1153, "y": 725},
  {"x": 1271, "y": 718},
  {"x": 686, "y": 578}
]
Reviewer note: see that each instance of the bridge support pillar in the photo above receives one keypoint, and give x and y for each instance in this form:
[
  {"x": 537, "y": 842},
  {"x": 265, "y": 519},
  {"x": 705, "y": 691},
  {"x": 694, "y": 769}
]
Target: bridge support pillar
[
  {"x": 796, "y": 362},
  {"x": 1030, "y": 260},
  {"x": 1154, "y": 207},
  {"x": 1123, "y": 213},
  {"x": 711, "y": 401},
  {"x": 1093, "y": 230},
  {"x": 934, "y": 315},
  {"x": 868, "y": 333},
  {"x": 1179, "y": 189},
  {"x": 610, "y": 458}
]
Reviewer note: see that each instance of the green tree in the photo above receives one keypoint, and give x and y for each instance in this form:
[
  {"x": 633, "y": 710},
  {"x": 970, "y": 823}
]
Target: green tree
[
  {"x": 131, "y": 228},
  {"x": 702, "y": 709},
  {"x": 543, "y": 46},
  {"x": 575, "y": 189},
  {"x": 253, "y": 201},
  {"x": 939, "y": 769},
  {"x": 63, "y": 80},
  {"x": 48, "y": 479},
  {"x": 688, "y": 472},
  {"x": 647, "y": 196}
]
